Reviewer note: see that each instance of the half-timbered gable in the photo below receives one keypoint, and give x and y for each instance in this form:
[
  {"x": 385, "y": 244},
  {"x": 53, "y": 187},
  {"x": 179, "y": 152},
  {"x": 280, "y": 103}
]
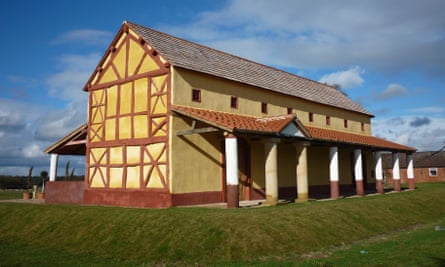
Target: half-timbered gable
[{"x": 128, "y": 117}]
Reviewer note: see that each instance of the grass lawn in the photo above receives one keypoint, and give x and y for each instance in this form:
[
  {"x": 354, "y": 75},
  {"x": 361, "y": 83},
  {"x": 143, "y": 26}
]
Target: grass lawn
[
  {"x": 391, "y": 229},
  {"x": 11, "y": 194}
]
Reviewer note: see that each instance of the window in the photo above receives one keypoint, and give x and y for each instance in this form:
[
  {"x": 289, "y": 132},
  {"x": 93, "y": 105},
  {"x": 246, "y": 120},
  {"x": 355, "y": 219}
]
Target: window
[
  {"x": 196, "y": 95},
  {"x": 433, "y": 171},
  {"x": 311, "y": 117},
  {"x": 345, "y": 123},
  {"x": 264, "y": 108},
  {"x": 328, "y": 120},
  {"x": 289, "y": 110},
  {"x": 234, "y": 102}
]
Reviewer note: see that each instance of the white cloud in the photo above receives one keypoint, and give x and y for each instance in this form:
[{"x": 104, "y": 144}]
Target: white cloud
[
  {"x": 426, "y": 137},
  {"x": 346, "y": 79},
  {"x": 327, "y": 34},
  {"x": 84, "y": 36},
  {"x": 57, "y": 124},
  {"x": 67, "y": 84},
  {"x": 32, "y": 151},
  {"x": 430, "y": 109},
  {"x": 27, "y": 129},
  {"x": 393, "y": 90}
]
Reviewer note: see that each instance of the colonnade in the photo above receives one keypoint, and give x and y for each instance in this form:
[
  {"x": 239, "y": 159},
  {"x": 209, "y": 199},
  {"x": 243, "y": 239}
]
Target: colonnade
[{"x": 301, "y": 147}]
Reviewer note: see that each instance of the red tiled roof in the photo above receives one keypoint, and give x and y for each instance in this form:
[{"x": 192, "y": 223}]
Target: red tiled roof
[
  {"x": 188, "y": 55},
  {"x": 233, "y": 122},
  {"x": 350, "y": 138},
  {"x": 274, "y": 125}
]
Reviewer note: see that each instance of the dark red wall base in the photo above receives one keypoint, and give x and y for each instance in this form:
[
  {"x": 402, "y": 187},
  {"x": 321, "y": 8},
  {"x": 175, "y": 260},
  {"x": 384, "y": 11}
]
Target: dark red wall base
[
  {"x": 197, "y": 198},
  {"x": 128, "y": 198},
  {"x": 64, "y": 192}
]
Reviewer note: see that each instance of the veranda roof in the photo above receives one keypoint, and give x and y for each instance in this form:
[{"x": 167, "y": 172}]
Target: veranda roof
[
  {"x": 73, "y": 143},
  {"x": 274, "y": 125}
]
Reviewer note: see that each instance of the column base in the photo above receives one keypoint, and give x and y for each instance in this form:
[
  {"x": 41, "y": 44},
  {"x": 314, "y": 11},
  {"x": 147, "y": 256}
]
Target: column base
[
  {"x": 359, "y": 189},
  {"x": 271, "y": 201},
  {"x": 232, "y": 196},
  {"x": 335, "y": 190},
  {"x": 302, "y": 197},
  {"x": 411, "y": 184},
  {"x": 379, "y": 186},
  {"x": 397, "y": 185}
]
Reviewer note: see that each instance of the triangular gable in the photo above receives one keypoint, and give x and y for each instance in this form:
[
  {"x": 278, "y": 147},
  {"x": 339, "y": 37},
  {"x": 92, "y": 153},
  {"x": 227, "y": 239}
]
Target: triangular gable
[
  {"x": 292, "y": 130},
  {"x": 128, "y": 55}
]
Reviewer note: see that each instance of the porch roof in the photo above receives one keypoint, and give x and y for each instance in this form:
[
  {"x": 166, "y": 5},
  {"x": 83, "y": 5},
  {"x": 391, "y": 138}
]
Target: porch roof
[
  {"x": 274, "y": 125},
  {"x": 73, "y": 143},
  {"x": 327, "y": 135}
]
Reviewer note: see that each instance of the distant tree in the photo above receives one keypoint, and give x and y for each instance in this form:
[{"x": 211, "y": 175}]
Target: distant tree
[
  {"x": 68, "y": 175},
  {"x": 28, "y": 179},
  {"x": 338, "y": 87},
  {"x": 67, "y": 169},
  {"x": 44, "y": 176}
]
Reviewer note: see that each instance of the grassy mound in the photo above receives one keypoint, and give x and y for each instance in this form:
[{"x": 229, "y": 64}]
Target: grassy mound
[{"x": 99, "y": 236}]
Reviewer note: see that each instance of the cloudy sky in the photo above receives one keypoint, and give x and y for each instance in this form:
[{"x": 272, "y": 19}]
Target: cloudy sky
[{"x": 389, "y": 56}]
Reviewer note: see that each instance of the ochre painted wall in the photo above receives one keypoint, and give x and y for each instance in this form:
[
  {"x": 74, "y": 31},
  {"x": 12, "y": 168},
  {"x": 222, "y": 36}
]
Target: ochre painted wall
[
  {"x": 318, "y": 165},
  {"x": 346, "y": 166},
  {"x": 257, "y": 164},
  {"x": 287, "y": 170},
  {"x": 216, "y": 94},
  {"x": 195, "y": 159}
]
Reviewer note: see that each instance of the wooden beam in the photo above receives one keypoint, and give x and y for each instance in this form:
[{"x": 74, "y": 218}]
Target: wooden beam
[
  {"x": 197, "y": 131},
  {"x": 76, "y": 142}
]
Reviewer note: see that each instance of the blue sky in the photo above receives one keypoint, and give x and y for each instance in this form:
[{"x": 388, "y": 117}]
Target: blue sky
[{"x": 389, "y": 56}]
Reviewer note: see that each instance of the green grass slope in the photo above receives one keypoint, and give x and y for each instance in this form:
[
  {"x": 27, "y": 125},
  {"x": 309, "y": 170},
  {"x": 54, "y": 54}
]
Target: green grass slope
[{"x": 57, "y": 235}]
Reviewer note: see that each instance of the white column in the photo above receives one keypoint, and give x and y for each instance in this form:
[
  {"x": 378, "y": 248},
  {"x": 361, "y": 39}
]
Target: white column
[
  {"x": 358, "y": 165},
  {"x": 358, "y": 172},
  {"x": 333, "y": 164},
  {"x": 302, "y": 172},
  {"x": 378, "y": 166},
  {"x": 271, "y": 171},
  {"x": 333, "y": 172},
  {"x": 379, "y": 172},
  {"x": 53, "y": 167},
  {"x": 231, "y": 145},
  {"x": 395, "y": 166},
  {"x": 231, "y": 161},
  {"x": 396, "y": 171},
  {"x": 410, "y": 171}
]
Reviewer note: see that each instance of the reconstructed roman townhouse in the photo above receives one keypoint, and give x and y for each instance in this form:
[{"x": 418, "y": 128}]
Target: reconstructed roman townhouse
[{"x": 173, "y": 123}]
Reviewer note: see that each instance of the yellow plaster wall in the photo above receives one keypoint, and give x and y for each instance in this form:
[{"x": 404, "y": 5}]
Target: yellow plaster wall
[
  {"x": 287, "y": 169},
  {"x": 318, "y": 165},
  {"x": 370, "y": 169},
  {"x": 257, "y": 164},
  {"x": 216, "y": 94},
  {"x": 195, "y": 159},
  {"x": 346, "y": 167}
]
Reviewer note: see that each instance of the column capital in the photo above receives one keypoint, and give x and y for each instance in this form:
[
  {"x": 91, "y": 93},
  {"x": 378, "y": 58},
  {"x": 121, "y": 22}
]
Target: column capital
[
  {"x": 301, "y": 144},
  {"x": 229, "y": 135},
  {"x": 271, "y": 140}
]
